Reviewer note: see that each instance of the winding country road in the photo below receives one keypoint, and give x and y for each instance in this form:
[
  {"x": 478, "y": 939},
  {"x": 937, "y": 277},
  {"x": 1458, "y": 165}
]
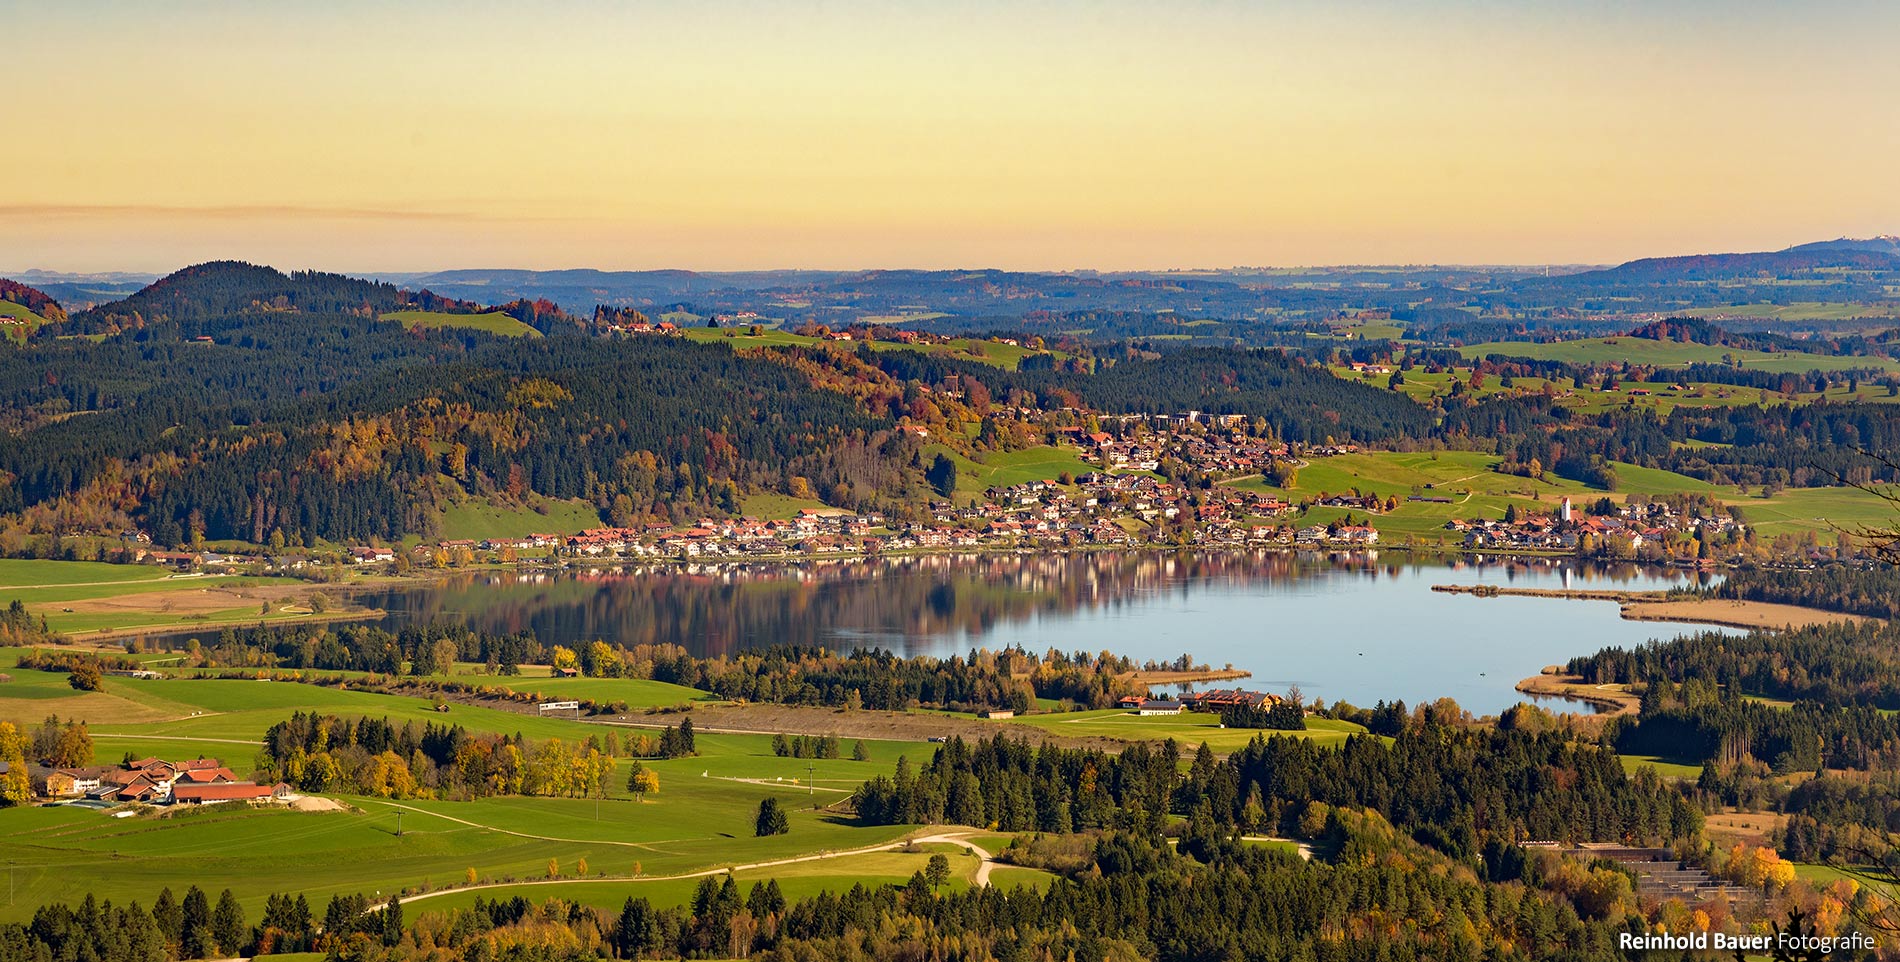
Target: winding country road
[{"x": 959, "y": 839}]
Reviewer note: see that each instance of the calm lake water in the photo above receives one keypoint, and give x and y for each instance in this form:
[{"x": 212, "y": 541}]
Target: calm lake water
[{"x": 1353, "y": 628}]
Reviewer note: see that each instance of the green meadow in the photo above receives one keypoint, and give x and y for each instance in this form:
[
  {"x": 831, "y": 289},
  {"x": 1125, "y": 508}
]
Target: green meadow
[
  {"x": 1004, "y": 468},
  {"x": 494, "y": 322},
  {"x": 1477, "y": 491},
  {"x": 1642, "y": 350},
  {"x": 1189, "y": 728},
  {"x": 772, "y": 506},
  {"x": 1799, "y": 311},
  {"x": 475, "y": 520},
  {"x": 969, "y": 349},
  {"x": 27, "y": 321},
  {"x": 699, "y": 820}
]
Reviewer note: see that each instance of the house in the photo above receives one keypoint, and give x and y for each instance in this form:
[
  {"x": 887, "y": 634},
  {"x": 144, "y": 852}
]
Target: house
[
  {"x": 1158, "y": 706},
  {"x": 1358, "y": 534},
  {"x": 205, "y": 776},
  {"x": 565, "y": 673},
  {"x": 1222, "y": 698},
  {"x": 997, "y": 713},
  {"x": 226, "y": 792},
  {"x": 365, "y": 555},
  {"x": 73, "y": 781}
]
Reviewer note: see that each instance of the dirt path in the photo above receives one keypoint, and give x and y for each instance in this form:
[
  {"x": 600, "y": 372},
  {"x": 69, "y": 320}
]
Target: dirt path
[
  {"x": 758, "y": 718},
  {"x": 184, "y": 738},
  {"x": 646, "y": 846},
  {"x": 959, "y": 839}
]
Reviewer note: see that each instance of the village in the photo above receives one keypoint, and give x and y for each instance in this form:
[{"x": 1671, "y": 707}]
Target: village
[
  {"x": 150, "y": 781},
  {"x": 1161, "y": 480}
]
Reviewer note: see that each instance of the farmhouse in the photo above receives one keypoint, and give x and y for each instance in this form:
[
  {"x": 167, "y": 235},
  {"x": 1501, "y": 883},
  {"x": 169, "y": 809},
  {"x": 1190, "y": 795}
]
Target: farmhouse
[
  {"x": 215, "y": 794},
  {"x": 1222, "y": 698},
  {"x": 1158, "y": 706},
  {"x": 72, "y": 781}
]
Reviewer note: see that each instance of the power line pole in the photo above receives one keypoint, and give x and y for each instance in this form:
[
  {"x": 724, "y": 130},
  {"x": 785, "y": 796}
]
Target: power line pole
[
  {"x": 811, "y": 779},
  {"x": 399, "y": 823}
]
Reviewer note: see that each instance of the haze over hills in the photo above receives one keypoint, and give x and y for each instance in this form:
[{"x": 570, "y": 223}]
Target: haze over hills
[{"x": 1221, "y": 294}]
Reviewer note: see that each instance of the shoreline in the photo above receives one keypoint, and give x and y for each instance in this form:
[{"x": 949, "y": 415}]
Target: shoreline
[
  {"x": 1611, "y": 700},
  {"x": 1160, "y": 678},
  {"x": 1660, "y": 606}
]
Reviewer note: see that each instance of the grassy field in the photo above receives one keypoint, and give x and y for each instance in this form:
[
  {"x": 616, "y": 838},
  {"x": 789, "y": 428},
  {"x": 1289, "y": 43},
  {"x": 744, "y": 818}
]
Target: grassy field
[
  {"x": 1798, "y": 311},
  {"x": 22, "y": 572},
  {"x": 1477, "y": 491},
  {"x": 494, "y": 322},
  {"x": 1040, "y": 463},
  {"x": 1666, "y": 767},
  {"x": 772, "y": 506},
  {"x": 987, "y": 352},
  {"x": 1643, "y": 350},
  {"x": 795, "y": 881},
  {"x": 1465, "y": 477},
  {"x": 28, "y": 321},
  {"x": 80, "y": 596},
  {"x": 483, "y": 519},
  {"x": 1823, "y": 511},
  {"x": 699, "y": 820},
  {"x": 1189, "y": 728},
  {"x": 1627, "y": 395}
]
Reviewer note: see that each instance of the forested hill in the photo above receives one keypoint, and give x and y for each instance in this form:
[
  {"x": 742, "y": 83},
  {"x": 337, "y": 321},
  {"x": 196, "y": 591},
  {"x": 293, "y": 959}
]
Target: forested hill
[
  {"x": 33, "y": 300},
  {"x": 336, "y": 426},
  {"x": 1300, "y": 401},
  {"x": 1716, "y": 267},
  {"x": 228, "y": 288}
]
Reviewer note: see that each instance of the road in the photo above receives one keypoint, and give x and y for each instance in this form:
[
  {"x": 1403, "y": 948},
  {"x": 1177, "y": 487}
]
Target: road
[{"x": 959, "y": 839}]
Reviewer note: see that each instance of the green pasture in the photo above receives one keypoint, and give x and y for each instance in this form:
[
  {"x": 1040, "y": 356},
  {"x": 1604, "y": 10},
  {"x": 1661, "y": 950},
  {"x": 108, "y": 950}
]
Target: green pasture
[
  {"x": 1666, "y": 767},
  {"x": 1799, "y": 311},
  {"x": 28, "y": 321},
  {"x": 1189, "y": 728},
  {"x": 795, "y": 881},
  {"x": 772, "y": 506},
  {"x": 1476, "y": 491},
  {"x": 1003, "y": 468},
  {"x": 32, "y": 573},
  {"x": 1642, "y": 350},
  {"x": 700, "y": 818},
  {"x": 476, "y": 520},
  {"x": 494, "y": 322},
  {"x": 970, "y": 349}
]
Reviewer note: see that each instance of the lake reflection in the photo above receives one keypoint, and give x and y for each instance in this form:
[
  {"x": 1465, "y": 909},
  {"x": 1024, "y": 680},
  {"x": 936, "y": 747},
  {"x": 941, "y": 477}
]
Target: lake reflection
[{"x": 1346, "y": 627}]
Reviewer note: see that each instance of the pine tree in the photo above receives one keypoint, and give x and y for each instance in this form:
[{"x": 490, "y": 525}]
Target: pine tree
[{"x": 227, "y": 925}]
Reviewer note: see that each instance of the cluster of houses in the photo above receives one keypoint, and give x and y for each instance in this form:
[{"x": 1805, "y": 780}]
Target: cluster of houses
[
  {"x": 1638, "y": 524},
  {"x": 154, "y": 781},
  {"x": 1213, "y": 700}
]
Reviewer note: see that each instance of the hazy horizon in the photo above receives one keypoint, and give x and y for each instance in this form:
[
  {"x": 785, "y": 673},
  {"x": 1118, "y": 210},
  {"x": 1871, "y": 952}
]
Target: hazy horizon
[{"x": 1107, "y": 135}]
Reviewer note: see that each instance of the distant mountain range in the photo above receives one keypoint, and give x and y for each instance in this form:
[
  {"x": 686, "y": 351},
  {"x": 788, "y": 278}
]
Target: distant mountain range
[
  {"x": 1884, "y": 244},
  {"x": 1844, "y": 270}
]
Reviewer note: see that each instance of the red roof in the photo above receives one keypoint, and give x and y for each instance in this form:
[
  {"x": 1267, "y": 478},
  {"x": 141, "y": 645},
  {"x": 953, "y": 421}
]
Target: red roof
[
  {"x": 200, "y": 775},
  {"x": 227, "y": 792}
]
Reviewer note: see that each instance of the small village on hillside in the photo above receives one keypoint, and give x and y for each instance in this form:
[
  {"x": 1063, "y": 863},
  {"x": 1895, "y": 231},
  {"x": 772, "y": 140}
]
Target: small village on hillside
[{"x": 1157, "y": 481}]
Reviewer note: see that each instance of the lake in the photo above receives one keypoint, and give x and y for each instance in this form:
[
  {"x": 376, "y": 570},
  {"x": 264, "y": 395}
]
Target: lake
[{"x": 1345, "y": 627}]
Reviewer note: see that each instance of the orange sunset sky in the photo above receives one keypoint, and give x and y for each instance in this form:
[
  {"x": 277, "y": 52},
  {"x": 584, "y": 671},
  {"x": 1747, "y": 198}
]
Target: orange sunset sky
[{"x": 740, "y": 135}]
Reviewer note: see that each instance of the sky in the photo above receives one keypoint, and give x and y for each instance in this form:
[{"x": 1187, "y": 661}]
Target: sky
[{"x": 725, "y": 134}]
